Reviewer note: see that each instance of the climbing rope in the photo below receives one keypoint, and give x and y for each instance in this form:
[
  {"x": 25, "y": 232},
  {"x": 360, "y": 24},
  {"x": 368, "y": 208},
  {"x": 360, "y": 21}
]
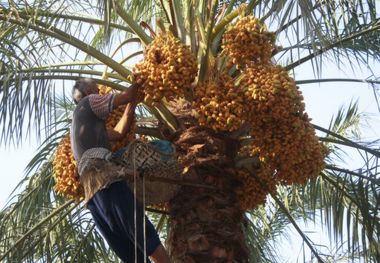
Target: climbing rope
[
  {"x": 144, "y": 224},
  {"x": 135, "y": 202},
  {"x": 135, "y": 205}
]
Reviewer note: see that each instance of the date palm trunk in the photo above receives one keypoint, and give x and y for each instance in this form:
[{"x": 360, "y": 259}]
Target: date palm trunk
[{"x": 206, "y": 224}]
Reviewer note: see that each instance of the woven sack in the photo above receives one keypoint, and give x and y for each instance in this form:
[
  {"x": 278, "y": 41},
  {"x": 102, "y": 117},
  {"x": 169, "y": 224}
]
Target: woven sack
[{"x": 152, "y": 164}]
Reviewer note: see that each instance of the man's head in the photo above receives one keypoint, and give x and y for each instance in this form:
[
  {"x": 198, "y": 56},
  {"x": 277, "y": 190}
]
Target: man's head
[{"x": 84, "y": 87}]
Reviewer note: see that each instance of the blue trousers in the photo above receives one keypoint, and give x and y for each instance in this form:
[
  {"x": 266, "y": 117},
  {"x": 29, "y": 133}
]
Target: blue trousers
[{"x": 112, "y": 209}]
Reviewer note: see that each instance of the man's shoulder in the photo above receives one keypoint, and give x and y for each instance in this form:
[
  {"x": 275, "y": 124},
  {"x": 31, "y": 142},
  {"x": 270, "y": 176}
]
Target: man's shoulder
[
  {"x": 83, "y": 105},
  {"x": 101, "y": 105}
]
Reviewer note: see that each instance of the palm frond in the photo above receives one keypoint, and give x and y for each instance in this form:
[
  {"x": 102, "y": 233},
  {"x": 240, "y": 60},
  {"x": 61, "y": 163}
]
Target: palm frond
[{"x": 348, "y": 30}]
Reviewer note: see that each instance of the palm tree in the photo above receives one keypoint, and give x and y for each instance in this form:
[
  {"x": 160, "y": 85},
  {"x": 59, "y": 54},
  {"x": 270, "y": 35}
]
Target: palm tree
[{"x": 45, "y": 42}]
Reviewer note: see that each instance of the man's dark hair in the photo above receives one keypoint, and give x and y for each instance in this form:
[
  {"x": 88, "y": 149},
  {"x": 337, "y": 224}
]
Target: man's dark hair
[{"x": 79, "y": 88}]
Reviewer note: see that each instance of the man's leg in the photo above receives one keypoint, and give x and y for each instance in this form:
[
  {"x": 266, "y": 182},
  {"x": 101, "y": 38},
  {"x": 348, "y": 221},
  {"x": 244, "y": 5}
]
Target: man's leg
[
  {"x": 124, "y": 210},
  {"x": 124, "y": 248}
]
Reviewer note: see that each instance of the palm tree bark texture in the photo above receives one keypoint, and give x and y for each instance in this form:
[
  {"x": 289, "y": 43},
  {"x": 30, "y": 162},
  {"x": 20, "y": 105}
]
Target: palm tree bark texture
[{"x": 206, "y": 223}]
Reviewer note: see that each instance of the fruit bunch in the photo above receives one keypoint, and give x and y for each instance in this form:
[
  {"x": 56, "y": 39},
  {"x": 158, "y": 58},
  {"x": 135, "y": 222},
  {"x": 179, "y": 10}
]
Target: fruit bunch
[
  {"x": 248, "y": 41},
  {"x": 254, "y": 188},
  {"x": 103, "y": 90},
  {"x": 271, "y": 93},
  {"x": 219, "y": 105},
  {"x": 168, "y": 69},
  {"x": 64, "y": 171},
  {"x": 111, "y": 122},
  {"x": 281, "y": 131}
]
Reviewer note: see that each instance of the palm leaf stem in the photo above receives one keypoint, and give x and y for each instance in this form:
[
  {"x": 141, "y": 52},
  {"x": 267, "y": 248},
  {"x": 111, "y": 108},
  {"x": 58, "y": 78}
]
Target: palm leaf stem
[
  {"x": 70, "y": 71},
  {"x": 165, "y": 11},
  {"x": 178, "y": 15},
  {"x": 207, "y": 43},
  {"x": 135, "y": 54},
  {"x": 89, "y": 20},
  {"x": 226, "y": 20},
  {"x": 283, "y": 50},
  {"x": 346, "y": 171},
  {"x": 312, "y": 81},
  {"x": 145, "y": 39},
  {"x": 190, "y": 26},
  {"x": 70, "y": 77},
  {"x": 217, "y": 36},
  {"x": 6, "y": 32},
  {"x": 66, "y": 38},
  {"x": 69, "y": 64},
  {"x": 350, "y": 144},
  {"x": 201, "y": 29},
  {"x": 370, "y": 29},
  {"x": 125, "y": 42},
  {"x": 295, "y": 225},
  {"x": 252, "y": 4},
  {"x": 353, "y": 144},
  {"x": 165, "y": 116},
  {"x": 160, "y": 223},
  {"x": 173, "y": 16},
  {"x": 37, "y": 226},
  {"x": 231, "y": 5}
]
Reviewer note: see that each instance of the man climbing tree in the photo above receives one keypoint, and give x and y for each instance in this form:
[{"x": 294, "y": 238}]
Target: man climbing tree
[{"x": 107, "y": 195}]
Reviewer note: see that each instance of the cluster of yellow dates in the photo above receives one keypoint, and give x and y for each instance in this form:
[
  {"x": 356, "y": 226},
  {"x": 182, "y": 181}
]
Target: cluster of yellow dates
[
  {"x": 281, "y": 131},
  {"x": 245, "y": 43},
  {"x": 219, "y": 104},
  {"x": 64, "y": 171},
  {"x": 264, "y": 96},
  {"x": 254, "y": 189},
  {"x": 168, "y": 69},
  {"x": 248, "y": 41}
]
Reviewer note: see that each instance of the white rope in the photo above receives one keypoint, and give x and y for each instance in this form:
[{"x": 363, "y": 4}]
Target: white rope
[
  {"x": 135, "y": 206},
  {"x": 135, "y": 201},
  {"x": 144, "y": 226},
  {"x": 133, "y": 147}
]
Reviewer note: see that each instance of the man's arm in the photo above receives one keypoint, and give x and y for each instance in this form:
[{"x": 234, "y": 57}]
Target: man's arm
[
  {"x": 124, "y": 124},
  {"x": 126, "y": 97}
]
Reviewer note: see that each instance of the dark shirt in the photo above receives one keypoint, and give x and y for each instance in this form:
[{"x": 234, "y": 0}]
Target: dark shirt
[{"x": 88, "y": 129}]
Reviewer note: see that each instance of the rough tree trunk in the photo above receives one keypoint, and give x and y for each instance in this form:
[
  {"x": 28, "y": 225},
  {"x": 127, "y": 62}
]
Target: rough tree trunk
[{"x": 206, "y": 224}]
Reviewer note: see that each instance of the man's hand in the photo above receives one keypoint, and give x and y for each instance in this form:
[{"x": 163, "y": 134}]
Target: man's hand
[{"x": 124, "y": 125}]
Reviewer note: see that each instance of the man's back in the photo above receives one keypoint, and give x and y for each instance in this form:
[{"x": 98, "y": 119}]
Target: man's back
[{"x": 88, "y": 128}]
